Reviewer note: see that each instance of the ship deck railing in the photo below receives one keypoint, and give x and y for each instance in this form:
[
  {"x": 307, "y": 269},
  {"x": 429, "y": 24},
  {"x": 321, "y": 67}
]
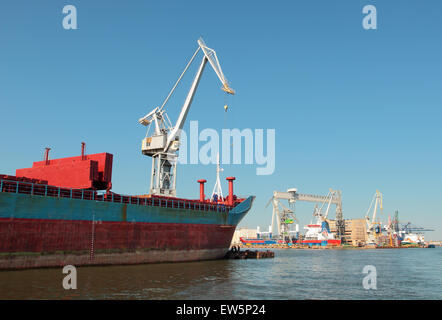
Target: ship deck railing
[{"x": 92, "y": 195}]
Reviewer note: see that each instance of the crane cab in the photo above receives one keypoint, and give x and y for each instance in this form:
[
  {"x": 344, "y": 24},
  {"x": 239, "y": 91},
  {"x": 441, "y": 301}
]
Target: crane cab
[{"x": 154, "y": 144}]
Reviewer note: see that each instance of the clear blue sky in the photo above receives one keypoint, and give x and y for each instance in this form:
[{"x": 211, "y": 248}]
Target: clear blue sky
[{"x": 353, "y": 109}]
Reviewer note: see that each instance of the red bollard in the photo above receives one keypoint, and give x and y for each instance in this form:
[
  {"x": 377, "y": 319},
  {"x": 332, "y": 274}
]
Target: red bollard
[
  {"x": 202, "y": 182},
  {"x": 230, "y": 179}
]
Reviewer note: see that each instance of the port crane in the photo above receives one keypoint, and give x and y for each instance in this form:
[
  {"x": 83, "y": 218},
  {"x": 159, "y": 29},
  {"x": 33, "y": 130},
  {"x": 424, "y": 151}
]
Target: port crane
[
  {"x": 163, "y": 144},
  {"x": 284, "y": 216},
  {"x": 408, "y": 227},
  {"x": 328, "y": 199},
  {"x": 292, "y": 195},
  {"x": 373, "y": 226},
  {"x": 412, "y": 234},
  {"x": 411, "y": 228}
]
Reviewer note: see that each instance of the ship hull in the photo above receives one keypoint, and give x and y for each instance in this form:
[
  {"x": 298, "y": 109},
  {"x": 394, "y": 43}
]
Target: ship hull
[
  {"x": 39, "y": 231},
  {"x": 250, "y": 242},
  {"x": 328, "y": 242}
]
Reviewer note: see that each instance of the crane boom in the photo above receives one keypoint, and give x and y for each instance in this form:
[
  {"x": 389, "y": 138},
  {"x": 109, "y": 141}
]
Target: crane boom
[
  {"x": 210, "y": 54},
  {"x": 175, "y": 132}
]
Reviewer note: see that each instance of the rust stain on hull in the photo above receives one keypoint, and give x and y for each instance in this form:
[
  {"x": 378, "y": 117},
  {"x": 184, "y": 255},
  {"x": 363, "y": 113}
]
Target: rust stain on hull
[{"x": 124, "y": 213}]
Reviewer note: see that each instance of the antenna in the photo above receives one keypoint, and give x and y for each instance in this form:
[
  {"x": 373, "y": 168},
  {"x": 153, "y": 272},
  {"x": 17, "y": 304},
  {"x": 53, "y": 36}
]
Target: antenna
[{"x": 217, "y": 190}]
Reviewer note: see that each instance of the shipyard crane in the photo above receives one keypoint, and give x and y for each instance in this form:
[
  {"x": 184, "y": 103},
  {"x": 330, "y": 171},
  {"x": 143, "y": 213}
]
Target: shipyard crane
[
  {"x": 292, "y": 195},
  {"x": 391, "y": 234},
  {"x": 395, "y": 222},
  {"x": 411, "y": 228},
  {"x": 284, "y": 217},
  {"x": 163, "y": 144},
  {"x": 328, "y": 199},
  {"x": 373, "y": 226}
]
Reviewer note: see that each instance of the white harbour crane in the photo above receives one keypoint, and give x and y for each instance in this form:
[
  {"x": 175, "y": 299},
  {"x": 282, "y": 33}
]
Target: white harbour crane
[
  {"x": 163, "y": 144},
  {"x": 373, "y": 225}
]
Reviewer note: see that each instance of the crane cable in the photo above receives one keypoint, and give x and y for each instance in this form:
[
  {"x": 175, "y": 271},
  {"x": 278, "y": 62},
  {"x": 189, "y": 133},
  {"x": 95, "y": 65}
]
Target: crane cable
[
  {"x": 225, "y": 110},
  {"x": 226, "y": 117},
  {"x": 179, "y": 79}
]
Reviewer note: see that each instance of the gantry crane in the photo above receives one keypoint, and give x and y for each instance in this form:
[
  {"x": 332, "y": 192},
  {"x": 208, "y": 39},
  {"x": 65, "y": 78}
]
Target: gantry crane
[
  {"x": 163, "y": 144},
  {"x": 285, "y": 217},
  {"x": 373, "y": 226}
]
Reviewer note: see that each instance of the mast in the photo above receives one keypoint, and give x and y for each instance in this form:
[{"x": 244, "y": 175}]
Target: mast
[{"x": 217, "y": 190}]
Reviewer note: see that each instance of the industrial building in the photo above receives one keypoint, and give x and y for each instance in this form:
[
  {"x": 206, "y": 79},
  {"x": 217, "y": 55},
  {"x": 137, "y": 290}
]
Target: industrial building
[
  {"x": 355, "y": 231},
  {"x": 243, "y": 233}
]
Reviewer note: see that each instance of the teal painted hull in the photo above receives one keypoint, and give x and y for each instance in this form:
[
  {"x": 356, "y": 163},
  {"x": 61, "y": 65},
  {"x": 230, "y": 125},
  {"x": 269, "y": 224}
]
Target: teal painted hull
[{"x": 43, "y": 231}]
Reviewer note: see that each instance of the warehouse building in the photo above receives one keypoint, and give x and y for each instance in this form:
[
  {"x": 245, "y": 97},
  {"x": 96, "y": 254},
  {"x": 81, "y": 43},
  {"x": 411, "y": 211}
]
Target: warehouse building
[{"x": 355, "y": 231}]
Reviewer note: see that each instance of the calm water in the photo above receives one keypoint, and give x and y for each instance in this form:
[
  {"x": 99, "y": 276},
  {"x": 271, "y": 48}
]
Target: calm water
[{"x": 292, "y": 274}]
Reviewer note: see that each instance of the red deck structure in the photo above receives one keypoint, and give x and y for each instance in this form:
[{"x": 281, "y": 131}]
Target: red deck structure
[{"x": 92, "y": 171}]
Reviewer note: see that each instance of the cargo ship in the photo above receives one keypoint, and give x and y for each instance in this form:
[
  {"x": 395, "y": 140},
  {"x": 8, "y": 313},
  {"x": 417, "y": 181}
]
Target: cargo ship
[
  {"x": 316, "y": 235},
  {"x": 319, "y": 235},
  {"x": 261, "y": 242},
  {"x": 63, "y": 212}
]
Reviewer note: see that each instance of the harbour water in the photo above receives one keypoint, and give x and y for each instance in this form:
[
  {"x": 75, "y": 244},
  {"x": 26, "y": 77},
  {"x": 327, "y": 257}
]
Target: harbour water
[{"x": 292, "y": 274}]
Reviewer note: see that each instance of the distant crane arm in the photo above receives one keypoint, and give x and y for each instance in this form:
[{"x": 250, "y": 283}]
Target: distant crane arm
[
  {"x": 378, "y": 202},
  {"x": 331, "y": 194},
  {"x": 294, "y": 196}
]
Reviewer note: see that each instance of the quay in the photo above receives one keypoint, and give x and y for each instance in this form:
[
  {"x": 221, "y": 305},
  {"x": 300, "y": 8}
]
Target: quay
[
  {"x": 236, "y": 253},
  {"x": 341, "y": 247}
]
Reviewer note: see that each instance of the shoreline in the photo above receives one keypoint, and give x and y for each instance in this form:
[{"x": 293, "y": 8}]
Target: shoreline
[{"x": 323, "y": 247}]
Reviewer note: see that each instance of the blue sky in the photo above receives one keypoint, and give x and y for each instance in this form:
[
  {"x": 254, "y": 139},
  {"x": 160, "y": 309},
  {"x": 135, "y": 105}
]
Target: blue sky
[{"x": 354, "y": 109}]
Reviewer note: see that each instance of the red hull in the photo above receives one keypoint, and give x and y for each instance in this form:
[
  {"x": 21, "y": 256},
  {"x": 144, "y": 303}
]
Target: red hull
[
  {"x": 60, "y": 242},
  {"x": 56, "y": 235}
]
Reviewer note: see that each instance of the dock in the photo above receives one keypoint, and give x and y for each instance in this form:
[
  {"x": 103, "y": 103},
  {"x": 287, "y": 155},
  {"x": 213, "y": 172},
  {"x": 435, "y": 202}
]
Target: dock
[
  {"x": 341, "y": 247},
  {"x": 236, "y": 253}
]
